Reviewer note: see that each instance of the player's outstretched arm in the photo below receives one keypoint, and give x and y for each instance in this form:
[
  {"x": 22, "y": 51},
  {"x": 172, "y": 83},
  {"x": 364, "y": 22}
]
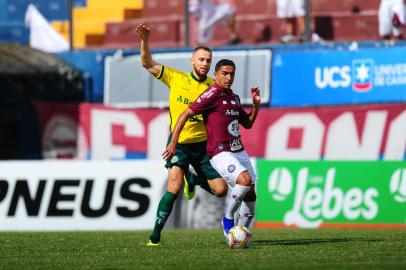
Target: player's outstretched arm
[
  {"x": 170, "y": 149},
  {"x": 146, "y": 58},
  {"x": 256, "y": 103}
]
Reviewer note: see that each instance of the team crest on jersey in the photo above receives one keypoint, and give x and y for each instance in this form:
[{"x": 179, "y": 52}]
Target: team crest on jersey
[
  {"x": 231, "y": 168},
  {"x": 174, "y": 159}
]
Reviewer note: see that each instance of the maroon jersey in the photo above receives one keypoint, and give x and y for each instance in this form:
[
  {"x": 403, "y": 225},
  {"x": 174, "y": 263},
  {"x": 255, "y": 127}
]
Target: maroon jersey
[{"x": 222, "y": 112}]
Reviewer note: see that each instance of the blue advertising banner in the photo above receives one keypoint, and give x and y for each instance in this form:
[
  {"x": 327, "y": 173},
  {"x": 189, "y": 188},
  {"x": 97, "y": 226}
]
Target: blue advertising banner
[{"x": 339, "y": 77}]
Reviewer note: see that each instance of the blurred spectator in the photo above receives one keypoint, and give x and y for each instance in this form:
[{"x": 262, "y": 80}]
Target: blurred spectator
[
  {"x": 210, "y": 13},
  {"x": 391, "y": 17},
  {"x": 263, "y": 31},
  {"x": 293, "y": 11}
]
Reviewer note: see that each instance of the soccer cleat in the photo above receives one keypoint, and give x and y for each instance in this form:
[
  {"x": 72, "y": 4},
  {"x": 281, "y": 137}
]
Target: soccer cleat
[
  {"x": 227, "y": 225},
  {"x": 152, "y": 244},
  {"x": 189, "y": 191}
]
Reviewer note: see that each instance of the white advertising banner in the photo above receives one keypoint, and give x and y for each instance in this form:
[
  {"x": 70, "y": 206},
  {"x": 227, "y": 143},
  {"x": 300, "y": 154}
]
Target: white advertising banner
[
  {"x": 80, "y": 195},
  {"x": 127, "y": 84}
]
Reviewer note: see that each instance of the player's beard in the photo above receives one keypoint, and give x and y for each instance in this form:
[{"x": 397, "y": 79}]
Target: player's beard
[{"x": 200, "y": 74}]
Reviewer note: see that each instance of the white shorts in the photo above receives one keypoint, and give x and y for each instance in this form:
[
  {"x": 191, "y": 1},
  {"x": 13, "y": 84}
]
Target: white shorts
[
  {"x": 387, "y": 9},
  {"x": 290, "y": 8},
  {"x": 230, "y": 165}
]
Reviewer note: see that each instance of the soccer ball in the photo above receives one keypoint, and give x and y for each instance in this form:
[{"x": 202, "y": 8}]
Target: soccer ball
[{"x": 239, "y": 237}]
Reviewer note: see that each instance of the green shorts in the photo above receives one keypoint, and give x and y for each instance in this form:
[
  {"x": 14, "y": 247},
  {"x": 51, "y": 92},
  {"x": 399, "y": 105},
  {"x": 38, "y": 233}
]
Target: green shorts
[{"x": 193, "y": 154}]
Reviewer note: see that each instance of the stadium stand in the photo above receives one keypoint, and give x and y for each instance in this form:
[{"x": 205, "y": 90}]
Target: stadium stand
[
  {"x": 90, "y": 17},
  {"x": 12, "y": 14},
  {"x": 333, "y": 20},
  {"x": 14, "y": 32},
  {"x": 345, "y": 20},
  {"x": 250, "y": 7},
  {"x": 52, "y": 10},
  {"x": 165, "y": 17},
  {"x": 110, "y": 24},
  {"x": 156, "y": 8},
  {"x": 90, "y": 21},
  {"x": 166, "y": 33},
  {"x": 334, "y": 8},
  {"x": 337, "y": 20}
]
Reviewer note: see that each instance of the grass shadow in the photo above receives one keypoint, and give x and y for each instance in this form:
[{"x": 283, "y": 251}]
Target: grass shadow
[{"x": 313, "y": 241}]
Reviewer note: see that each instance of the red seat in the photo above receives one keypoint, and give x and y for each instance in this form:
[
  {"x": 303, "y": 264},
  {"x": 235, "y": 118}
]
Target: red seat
[
  {"x": 343, "y": 6},
  {"x": 165, "y": 31},
  {"x": 347, "y": 28},
  {"x": 154, "y": 8},
  {"x": 257, "y": 7},
  {"x": 334, "y": 20}
]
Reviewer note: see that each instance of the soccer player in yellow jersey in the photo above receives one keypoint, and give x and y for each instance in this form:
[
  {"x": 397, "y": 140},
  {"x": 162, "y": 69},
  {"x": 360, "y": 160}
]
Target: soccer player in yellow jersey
[{"x": 184, "y": 88}]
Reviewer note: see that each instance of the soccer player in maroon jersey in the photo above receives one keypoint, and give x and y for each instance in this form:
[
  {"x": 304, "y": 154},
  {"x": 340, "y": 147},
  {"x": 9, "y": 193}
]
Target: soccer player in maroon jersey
[
  {"x": 184, "y": 87},
  {"x": 222, "y": 114}
]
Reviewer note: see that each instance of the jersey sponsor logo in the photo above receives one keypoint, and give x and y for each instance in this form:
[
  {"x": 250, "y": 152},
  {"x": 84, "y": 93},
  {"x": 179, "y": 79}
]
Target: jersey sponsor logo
[
  {"x": 236, "y": 144},
  {"x": 183, "y": 100},
  {"x": 194, "y": 118},
  {"x": 208, "y": 93},
  {"x": 232, "y": 112},
  {"x": 233, "y": 128}
]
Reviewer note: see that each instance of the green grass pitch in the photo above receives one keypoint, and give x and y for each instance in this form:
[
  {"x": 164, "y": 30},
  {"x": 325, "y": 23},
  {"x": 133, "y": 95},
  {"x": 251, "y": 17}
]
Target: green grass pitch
[{"x": 205, "y": 249}]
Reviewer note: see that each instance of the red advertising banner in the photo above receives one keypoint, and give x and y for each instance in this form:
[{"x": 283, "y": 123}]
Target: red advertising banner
[
  {"x": 369, "y": 132},
  {"x": 88, "y": 131},
  {"x": 60, "y": 130}
]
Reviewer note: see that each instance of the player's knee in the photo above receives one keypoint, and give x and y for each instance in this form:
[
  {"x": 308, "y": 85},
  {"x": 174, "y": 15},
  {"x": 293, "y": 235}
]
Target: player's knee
[
  {"x": 244, "y": 179},
  {"x": 220, "y": 188},
  {"x": 220, "y": 192}
]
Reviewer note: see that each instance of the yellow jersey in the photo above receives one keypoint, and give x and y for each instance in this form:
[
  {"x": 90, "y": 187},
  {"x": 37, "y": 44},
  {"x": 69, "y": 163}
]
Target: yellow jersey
[{"x": 184, "y": 88}]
